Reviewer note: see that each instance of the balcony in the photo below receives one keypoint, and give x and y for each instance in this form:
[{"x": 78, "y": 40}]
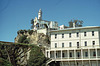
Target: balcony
[{"x": 75, "y": 47}]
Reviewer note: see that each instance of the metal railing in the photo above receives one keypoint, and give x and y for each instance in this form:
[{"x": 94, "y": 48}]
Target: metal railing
[
  {"x": 77, "y": 47},
  {"x": 91, "y": 57}
]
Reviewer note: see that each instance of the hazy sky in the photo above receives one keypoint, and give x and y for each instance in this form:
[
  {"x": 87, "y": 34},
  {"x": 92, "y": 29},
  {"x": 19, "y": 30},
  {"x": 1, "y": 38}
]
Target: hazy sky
[{"x": 16, "y": 14}]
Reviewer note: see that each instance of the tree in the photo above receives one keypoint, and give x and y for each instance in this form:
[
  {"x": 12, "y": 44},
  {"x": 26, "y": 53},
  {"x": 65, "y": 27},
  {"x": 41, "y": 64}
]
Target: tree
[
  {"x": 32, "y": 22},
  {"x": 37, "y": 58},
  {"x": 20, "y": 32},
  {"x": 22, "y": 38},
  {"x": 13, "y": 54},
  {"x": 78, "y": 23},
  {"x": 30, "y": 31},
  {"x": 27, "y": 40},
  {"x": 4, "y": 62},
  {"x": 17, "y": 53}
]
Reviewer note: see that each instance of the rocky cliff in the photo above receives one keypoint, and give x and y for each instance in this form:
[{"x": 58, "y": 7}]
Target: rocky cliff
[{"x": 32, "y": 37}]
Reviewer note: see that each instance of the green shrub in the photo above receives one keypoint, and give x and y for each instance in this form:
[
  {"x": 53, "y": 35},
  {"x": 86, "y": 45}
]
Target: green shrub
[
  {"x": 36, "y": 58},
  {"x": 22, "y": 38},
  {"x": 27, "y": 40},
  {"x": 30, "y": 32},
  {"x": 4, "y": 62}
]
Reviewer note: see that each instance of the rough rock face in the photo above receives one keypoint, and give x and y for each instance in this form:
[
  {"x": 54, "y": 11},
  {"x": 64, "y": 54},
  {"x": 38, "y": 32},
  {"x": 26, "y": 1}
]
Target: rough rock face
[{"x": 33, "y": 37}]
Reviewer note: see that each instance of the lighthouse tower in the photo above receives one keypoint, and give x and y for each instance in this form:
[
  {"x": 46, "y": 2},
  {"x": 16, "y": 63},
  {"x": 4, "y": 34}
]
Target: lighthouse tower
[{"x": 40, "y": 14}]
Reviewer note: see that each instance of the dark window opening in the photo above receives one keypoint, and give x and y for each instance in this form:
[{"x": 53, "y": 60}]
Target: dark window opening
[
  {"x": 77, "y": 34},
  {"x": 93, "y": 42},
  {"x": 62, "y": 35},
  {"x": 70, "y": 44},
  {"x": 86, "y": 54},
  {"x": 55, "y": 45},
  {"x": 63, "y": 55},
  {"x": 69, "y": 34},
  {"x": 92, "y": 33},
  {"x": 70, "y": 54},
  {"x": 84, "y": 33},
  {"x": 78, "y": 54},
  {"x": 62, "y": 45},
  {"x": 94, "y": 53},
  {"x": 77, "y": 44},
  {"x": 55, "y": 36},
  {"x": 85, "y": 43}
]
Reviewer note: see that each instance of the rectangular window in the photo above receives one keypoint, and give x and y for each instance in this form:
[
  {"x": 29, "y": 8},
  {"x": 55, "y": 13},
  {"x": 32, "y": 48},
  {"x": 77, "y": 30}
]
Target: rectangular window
[
  {"x": 47, "y": 53},
  {"x": 85, "y": 43},
  {"x": 56, "y": 55},
  {"x": 78, "y": 54},
  {"x": 93, "y": 42},
  {"x": 86, "y": 54},
  {"x": 77, "y": 44},
  {"x": 77, "y": 34},
  {"x": 94, "y": 53},
  {"x": 84, "y": 33},
  {"x": 70, "y": 54},
  {"x": 63, "y": 54},
  {"x": 55, "y": 45},
  {"x": 70, "y": 44},
  {"x": 92, "y": 33},
  {"x": 62, "y": 45},
  {"x": 55, "y": 36},
  {"x": 62, "y": 35},
  {"x": 69, "y": 34}
]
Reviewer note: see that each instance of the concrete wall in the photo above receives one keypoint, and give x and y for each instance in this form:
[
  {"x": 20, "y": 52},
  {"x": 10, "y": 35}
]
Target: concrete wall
[{"x": 42, "y": 31}]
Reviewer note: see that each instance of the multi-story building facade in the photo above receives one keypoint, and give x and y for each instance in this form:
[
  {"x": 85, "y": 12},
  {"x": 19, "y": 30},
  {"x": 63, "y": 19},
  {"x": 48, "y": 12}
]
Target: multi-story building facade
[{"x": 77, "y": 46}]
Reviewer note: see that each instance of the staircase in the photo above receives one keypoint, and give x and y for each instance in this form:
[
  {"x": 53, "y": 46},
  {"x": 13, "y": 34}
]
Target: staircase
[{"x": 49, "y": 61}]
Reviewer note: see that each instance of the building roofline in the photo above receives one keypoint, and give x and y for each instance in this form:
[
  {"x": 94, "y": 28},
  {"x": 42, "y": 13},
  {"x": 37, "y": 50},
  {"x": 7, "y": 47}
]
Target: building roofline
[
  {"x": 76, "y": 28},
  {"x": 48, "y": 21}
]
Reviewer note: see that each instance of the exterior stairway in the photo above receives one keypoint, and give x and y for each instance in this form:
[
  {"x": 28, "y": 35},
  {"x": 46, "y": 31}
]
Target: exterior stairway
[{"x": 49, "y": 61}]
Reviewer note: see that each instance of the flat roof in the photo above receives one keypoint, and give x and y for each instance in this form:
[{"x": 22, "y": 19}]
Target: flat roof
[{"x": 76, "y": 28}]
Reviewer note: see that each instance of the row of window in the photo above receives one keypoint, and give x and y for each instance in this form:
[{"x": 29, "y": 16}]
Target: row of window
[
  {"x": 78, "y": 54},
  {"x": 77, "y": 34},
  {"x": 70, "y": 44}
]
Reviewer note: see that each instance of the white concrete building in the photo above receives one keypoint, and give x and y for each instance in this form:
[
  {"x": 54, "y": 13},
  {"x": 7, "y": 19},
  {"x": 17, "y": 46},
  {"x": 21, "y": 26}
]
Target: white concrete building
[
  {"x": 39, "y": 23},
  {"x": 78, "y": 46}
]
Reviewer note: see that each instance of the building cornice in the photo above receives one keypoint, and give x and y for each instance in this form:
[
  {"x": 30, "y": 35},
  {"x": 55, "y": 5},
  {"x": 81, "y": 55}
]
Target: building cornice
[{"x": 76, "y": 28}]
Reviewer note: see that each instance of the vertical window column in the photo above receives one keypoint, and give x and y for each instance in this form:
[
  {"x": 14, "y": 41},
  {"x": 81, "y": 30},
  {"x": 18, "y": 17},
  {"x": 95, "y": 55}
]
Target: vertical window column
[
  {"x": 74, "y": 53},
  {"x": 89, "y": 53},
  {"x": 61, "y": 54},
  {"x": 96, "y": 53},
  {"x": 81, "y": 53},
  {"x": 55, "y": 54},
  {"x": 68, "y": 53}
]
